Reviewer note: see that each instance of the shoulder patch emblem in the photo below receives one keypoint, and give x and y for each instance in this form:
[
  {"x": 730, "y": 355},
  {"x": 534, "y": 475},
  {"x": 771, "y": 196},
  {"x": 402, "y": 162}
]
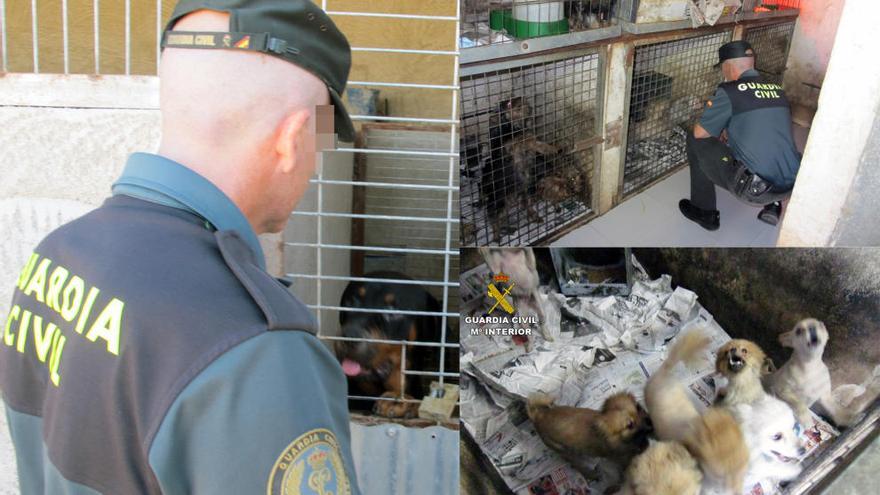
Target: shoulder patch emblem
[{"x": 310, "y": 465}]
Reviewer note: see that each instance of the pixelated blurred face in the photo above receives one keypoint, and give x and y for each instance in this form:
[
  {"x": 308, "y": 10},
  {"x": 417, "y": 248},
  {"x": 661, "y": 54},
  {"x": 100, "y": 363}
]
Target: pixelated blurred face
[{"x": 317, "y": 137}]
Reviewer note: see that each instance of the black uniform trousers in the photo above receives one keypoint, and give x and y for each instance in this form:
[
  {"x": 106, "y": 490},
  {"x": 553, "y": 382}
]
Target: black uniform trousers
[{"x": 710, "y": 163}]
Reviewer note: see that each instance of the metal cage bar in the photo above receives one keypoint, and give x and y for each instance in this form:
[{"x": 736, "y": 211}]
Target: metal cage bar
[
  {"x": 771, "y": 43},
  {"x": 528, "y": 147},
  {"x": 670, "y": 81},
  {"x": 3, "y": 51},
  {"x": 399, "y": 179}
]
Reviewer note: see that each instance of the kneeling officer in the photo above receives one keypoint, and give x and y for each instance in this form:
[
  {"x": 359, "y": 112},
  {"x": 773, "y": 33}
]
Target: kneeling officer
[{"x": 743, "y": 143}]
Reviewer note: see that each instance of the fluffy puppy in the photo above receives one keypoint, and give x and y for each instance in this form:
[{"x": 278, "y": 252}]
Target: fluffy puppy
[
  {"x": 666, "y": 468},
  {"x": 804, "y": 378},
  {"x": 618, "y": 432},
  {"x": 713, "y": 438},
  {"x": 770, "y": 429},
  {"x": 743, "y": 363}
]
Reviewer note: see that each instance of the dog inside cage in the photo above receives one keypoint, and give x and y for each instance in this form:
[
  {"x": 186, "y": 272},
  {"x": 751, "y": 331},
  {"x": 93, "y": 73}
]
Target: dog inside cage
[
  {"x": 488, "y": 22},
  {"x": 671, "y": 81},
  {"x": 526, "y": 150},
  {"x": 392, "y": 345}
]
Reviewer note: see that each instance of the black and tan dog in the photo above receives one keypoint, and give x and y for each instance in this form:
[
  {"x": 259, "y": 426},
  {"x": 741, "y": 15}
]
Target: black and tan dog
[{"x": 375, "y": 369}]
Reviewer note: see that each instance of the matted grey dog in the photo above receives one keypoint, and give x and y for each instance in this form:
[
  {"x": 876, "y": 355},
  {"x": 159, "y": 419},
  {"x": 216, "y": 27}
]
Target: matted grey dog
[
  {"x": 519, "y": 265},
  {"x": 804, "y": 379}
]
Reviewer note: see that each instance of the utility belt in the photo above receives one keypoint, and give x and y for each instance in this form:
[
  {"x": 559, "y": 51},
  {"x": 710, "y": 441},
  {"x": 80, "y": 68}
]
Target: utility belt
[{"x": 752, "y": 189}]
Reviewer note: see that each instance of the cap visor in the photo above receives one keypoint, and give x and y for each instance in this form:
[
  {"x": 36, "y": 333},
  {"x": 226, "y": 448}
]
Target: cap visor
[{"x": 341, "y": 120}]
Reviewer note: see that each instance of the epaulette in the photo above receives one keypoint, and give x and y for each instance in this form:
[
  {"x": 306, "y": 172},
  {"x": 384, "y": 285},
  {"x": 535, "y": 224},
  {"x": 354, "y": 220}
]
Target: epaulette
[{"x": 282, "y": 310}]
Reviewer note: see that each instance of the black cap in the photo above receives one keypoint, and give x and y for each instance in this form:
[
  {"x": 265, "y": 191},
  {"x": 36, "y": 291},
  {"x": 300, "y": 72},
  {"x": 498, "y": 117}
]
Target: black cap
[
  {"x": 734, "y": 49},
  {"x": 297, "y": 31}
]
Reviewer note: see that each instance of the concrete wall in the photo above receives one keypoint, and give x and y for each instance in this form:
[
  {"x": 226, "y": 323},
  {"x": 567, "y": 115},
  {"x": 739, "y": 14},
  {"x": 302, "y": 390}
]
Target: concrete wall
[
  {"x": 836, "y": 183},
  {"x": 811, "y": 49}
]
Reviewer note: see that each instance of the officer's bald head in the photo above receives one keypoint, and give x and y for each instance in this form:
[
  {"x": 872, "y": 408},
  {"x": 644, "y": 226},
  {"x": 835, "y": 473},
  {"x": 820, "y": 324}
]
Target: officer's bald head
[
  {"x": 733, "y": 68},
  {"x": 244, "y": 120}
]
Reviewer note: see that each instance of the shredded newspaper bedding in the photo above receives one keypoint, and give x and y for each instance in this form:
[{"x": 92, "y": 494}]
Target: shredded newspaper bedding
[{"x": 617, "y": 344}]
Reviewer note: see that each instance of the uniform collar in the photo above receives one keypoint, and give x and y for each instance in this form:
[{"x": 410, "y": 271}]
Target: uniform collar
[
  {"x": 160, "y": 180},
  {"x": 750, "y": 73}
]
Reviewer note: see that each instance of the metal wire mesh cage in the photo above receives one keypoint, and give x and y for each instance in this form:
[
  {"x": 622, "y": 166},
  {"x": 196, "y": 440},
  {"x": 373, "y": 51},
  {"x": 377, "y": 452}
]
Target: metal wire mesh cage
[
  {"x": 670, "y": 81},
  {"x": 488, "y": 22},
  {"x": 771, "y": 43},
  {"x": 528, "y": 141}
]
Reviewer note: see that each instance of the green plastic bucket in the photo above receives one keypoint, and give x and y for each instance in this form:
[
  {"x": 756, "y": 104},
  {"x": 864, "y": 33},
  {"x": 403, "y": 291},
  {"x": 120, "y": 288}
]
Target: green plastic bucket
[{"x": 502, "y": 20}]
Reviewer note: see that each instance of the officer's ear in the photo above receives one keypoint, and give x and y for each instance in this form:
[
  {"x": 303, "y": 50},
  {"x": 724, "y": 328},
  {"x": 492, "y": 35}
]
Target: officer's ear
[{"x": 289, "y": 136}]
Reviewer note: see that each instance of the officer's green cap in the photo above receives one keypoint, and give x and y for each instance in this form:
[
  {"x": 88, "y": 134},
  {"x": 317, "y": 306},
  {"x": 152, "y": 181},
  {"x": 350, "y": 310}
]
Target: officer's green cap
[
  {"x": 295, "y": 30},
  {"x": 734, "y": 49}
]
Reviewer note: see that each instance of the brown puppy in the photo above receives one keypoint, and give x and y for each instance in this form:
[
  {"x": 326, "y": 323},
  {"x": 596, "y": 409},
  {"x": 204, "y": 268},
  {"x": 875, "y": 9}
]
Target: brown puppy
[
  {"x": 666, "y": 468},
  {"x": 743, "y": 363},
  {"x": 713, "y": 438},
  {"x": 618, "y": 432}
]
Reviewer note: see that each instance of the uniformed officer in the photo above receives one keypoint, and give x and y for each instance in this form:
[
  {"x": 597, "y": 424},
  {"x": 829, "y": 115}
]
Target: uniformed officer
[
  {"x": 743, "y": 143},
  {"x": 147, "y": 350}
]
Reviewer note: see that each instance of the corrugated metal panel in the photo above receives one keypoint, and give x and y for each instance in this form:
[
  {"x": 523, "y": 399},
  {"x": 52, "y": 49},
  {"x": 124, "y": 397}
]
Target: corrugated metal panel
[{"x": 391, "y": 459}]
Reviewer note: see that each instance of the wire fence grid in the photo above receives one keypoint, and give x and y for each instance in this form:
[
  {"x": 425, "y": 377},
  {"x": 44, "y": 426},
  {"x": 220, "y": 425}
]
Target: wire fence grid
[
  {"x": 528, "y": 144},
  {"x": 491, "y": 22},
  {"x": 771, "y": 43},
  {"x": 670, "y": 82}
]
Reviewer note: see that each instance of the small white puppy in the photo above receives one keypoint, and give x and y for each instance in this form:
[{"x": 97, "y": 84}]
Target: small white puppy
[
  {"x": 771, "y": 433},
  {"x": 804, "y": 378}
]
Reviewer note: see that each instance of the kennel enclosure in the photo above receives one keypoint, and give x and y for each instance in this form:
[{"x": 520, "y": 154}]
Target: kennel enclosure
[
  {"x": 627, "y": 93},
  {"x": 529, "y": 135}
]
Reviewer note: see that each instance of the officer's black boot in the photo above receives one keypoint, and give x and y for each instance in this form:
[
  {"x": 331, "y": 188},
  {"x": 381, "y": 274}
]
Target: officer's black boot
[
  {"x": 708, "y": 219},
  {"x": 771, "y": 213}
]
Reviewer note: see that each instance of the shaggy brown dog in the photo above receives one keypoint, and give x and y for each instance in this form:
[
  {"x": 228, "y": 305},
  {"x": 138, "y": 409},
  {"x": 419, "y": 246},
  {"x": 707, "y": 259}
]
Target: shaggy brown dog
[
  {"x": 743, "y": 363},
  {"x": 618, "y": 432}
]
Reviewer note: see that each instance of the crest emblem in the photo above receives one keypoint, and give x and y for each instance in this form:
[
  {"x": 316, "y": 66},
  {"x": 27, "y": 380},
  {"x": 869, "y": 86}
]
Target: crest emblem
[
  {"x": 310, "y": 465},
  {"x": 227, "y": 40}
]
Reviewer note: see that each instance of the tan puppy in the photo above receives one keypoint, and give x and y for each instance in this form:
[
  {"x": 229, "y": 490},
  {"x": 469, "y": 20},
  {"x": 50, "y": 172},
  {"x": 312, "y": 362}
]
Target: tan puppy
[
  {"x": 618, "y": 432},
  {"x": 713, "y": 438},
  {"x": 743, "y": 363},
  {"x": 666, "y": 468}
]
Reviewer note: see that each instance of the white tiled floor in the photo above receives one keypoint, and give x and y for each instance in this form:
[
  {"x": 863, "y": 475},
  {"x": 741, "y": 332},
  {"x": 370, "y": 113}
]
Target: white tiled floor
[{"x": 651, "y": 218}]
